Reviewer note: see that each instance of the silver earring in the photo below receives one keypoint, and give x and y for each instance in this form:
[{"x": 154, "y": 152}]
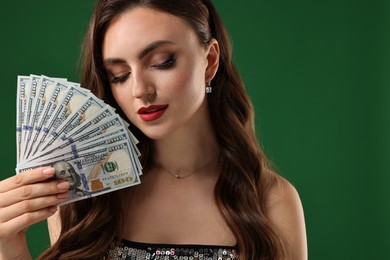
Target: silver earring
[{"x": 209, "y": 89}]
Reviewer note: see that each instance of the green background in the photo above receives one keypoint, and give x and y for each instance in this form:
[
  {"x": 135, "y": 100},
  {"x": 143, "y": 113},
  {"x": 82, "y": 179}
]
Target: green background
[{"x": 318, "y": 74}]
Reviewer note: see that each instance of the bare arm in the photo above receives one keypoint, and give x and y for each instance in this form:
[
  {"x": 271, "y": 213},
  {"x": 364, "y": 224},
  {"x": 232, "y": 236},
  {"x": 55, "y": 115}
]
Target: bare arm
[{"x": 284, "y": 210}]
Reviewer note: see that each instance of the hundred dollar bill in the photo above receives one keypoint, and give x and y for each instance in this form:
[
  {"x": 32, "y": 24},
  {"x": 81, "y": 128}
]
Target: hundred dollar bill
[
  {"x": 64, "y": 141},
  {"x": 55, "y": 92},
  {"x": 43, "y": 93},
  {"x": 30, "y": 94},
  {"x": 123, "y": 134},
  {"x": 112, "y": 133},
  {"x": 28, "y": 109},
  {"x": 62, "y": 125},
  {"x": 106, "y": 113},
  {"x": 133, "y": 141},
  {"x": 84, "y": 111},
  {"x": 36, "y": 110},
  {"x": 39, "y": 104},
  {"x": 21, "y": 101},
  {"x": 107, "y": 126},
  {"x": 96, "y": 172},
  {"x": 73, "y": 151},
  {"x": 73, "y": 98}
]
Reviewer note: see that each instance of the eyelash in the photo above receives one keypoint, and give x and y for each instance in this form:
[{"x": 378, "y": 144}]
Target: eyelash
[
  {"x": 165, "y": 65},
  {"x": 121, "y": 78}
]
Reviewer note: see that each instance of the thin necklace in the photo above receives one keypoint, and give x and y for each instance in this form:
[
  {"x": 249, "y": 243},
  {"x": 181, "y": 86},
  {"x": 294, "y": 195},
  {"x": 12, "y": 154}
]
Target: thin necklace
[{"x": 179, "y": 175}]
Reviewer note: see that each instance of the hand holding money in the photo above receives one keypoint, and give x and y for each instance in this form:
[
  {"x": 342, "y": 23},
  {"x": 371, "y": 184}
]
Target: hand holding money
[
  {"x": 61, "y": 125},
  {"x": 26, "y": 199}
]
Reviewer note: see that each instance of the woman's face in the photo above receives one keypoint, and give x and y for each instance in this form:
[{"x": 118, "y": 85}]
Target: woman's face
[{"x": 158, "y": 71}]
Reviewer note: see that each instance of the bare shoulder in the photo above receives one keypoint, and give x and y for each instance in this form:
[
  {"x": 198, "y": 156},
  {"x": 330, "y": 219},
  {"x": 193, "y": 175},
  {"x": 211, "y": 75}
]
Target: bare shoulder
[
  {"x": 54, "y": 227},
  {"x": 285, "y": 212}
]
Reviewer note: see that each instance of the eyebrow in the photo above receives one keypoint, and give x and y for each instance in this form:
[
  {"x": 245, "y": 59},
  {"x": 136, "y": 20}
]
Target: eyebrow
[{"x": 151, "y": 47}]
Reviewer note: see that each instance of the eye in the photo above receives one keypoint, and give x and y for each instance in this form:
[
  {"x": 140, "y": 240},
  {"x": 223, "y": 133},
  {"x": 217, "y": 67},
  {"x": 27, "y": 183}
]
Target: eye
[
  {"x": 166, "y": 64},
  {"x": 121, "y": 78}
]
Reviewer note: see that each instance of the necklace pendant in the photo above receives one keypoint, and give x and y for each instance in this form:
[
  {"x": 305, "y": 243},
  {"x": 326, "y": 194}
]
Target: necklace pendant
[{"x": 177, "y": 176}]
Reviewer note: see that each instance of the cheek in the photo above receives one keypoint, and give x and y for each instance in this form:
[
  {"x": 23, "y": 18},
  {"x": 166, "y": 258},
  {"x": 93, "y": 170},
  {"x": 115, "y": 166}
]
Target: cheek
[
  {"x": 192, "y": 90},
  {"x": 125, "y": 101},
  {"x": 121, "y": 97},
  {"x": 187, "y": 82},
  {"x": 116, "y": 93}
]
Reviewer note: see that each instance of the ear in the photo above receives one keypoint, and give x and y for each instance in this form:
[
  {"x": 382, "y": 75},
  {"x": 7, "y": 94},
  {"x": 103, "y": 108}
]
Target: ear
[{"x": 212, "y": 59}]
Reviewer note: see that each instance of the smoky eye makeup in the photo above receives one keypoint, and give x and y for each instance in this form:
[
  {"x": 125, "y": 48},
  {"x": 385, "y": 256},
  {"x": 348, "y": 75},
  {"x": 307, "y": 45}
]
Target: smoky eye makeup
[
  {"x": 168, "y": 63},
  {"x": 118, "y": 79}
]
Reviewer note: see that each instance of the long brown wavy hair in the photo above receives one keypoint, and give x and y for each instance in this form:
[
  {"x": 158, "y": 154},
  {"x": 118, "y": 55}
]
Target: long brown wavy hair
[{"x": 90, "y": 227}]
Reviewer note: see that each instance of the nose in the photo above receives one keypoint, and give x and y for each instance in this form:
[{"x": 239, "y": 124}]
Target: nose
[{"x": 142, "y": 86}]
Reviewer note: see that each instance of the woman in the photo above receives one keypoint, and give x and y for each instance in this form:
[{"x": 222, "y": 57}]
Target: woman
[{"x": 166, "y": 66}]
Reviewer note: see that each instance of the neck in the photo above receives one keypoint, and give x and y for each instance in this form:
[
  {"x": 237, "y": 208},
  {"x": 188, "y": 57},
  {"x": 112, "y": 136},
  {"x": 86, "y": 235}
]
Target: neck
[
  {"x": 187, "y": 149},
  {"x": 185, "y": 154}
]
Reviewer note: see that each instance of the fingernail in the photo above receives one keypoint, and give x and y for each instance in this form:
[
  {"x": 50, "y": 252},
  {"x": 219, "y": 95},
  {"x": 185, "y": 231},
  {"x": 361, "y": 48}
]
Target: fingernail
[
  {"x": 63, "y": 185},
  {"x": 62, "y": 195},
  {"x": 53, "y": 209},
  {"x": 48, "y": 171}
]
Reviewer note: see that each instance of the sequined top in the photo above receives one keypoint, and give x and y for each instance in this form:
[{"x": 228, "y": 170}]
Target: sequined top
[{"x": 139, "y": 251}]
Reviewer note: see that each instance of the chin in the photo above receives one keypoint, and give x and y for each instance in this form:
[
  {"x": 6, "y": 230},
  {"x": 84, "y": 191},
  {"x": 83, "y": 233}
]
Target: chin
[
  {"x": 157, "y": 133},
  {"x": 155, "y": 136}
]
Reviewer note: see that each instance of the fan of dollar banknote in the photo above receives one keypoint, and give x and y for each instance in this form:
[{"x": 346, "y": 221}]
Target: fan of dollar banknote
[{"x": 62, "y": 125}]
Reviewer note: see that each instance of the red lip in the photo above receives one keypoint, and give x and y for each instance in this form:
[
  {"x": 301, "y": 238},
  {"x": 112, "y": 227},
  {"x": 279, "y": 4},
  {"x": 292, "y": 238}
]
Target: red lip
[{"x": 152, "y": 113}]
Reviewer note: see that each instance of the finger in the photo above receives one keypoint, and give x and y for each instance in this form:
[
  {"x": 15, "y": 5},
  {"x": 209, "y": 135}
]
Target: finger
[
  {"x": 32, "y": 191},
  {"x": 26, "y": 206},
  {"x": 28, "y": 177},
  {"x": 22, "y": 222}
]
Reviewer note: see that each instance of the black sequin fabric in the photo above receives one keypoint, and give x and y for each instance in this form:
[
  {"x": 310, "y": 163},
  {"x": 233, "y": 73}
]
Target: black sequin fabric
[{"x": 129, "y": 250}]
